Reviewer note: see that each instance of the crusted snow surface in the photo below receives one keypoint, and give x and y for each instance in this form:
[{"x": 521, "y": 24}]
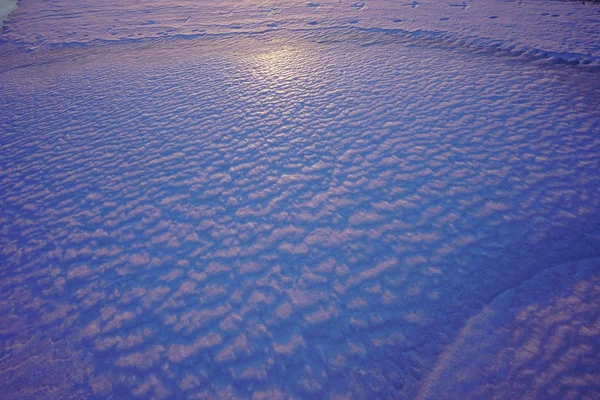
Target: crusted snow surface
[
  {"x": 559, "y": 30},
  {"x": 328, "y": 210}
]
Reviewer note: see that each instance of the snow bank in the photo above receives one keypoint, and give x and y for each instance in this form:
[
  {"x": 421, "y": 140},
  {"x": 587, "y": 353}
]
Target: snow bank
[
  {"x": 564, "y": 31},
  {"x": 536, "y": 340}
]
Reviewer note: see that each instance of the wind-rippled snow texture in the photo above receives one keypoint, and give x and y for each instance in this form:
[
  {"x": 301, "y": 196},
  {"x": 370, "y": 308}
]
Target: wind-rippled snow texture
[
  {"x": 271, "y": 216},
  {"x": 566, "y": 31}
]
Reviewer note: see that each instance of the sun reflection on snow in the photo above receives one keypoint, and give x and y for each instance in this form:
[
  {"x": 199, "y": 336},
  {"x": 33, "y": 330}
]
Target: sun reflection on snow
[{"x": 279, "y": 65}]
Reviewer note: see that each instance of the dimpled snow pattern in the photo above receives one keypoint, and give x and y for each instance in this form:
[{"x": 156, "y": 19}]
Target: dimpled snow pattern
[{"x": 334, "y": 209}]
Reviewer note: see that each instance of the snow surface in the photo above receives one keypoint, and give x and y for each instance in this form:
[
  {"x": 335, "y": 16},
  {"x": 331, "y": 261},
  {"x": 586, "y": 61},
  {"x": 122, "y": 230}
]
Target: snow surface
[
  {"x": 544, "y": 28},
  {"x": 284, "y": 199},
  {"x": 529, "y": 342}
]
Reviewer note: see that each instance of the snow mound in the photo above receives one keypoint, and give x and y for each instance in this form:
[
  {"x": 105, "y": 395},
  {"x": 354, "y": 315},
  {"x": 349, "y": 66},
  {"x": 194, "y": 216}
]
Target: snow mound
[{"x": 536, "y": 340}]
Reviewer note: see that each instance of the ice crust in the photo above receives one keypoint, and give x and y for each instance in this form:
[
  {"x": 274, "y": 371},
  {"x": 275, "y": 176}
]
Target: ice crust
[{"x": 307, "y": 211}]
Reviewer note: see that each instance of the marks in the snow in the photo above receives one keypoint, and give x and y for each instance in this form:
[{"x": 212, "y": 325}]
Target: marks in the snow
[
  {"x": 464, "y": 5},
  {"x": 515, "y": 27}
]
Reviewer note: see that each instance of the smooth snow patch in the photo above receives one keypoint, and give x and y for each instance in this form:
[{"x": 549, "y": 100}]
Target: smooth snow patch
[{"x": 6, "y": 7}]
